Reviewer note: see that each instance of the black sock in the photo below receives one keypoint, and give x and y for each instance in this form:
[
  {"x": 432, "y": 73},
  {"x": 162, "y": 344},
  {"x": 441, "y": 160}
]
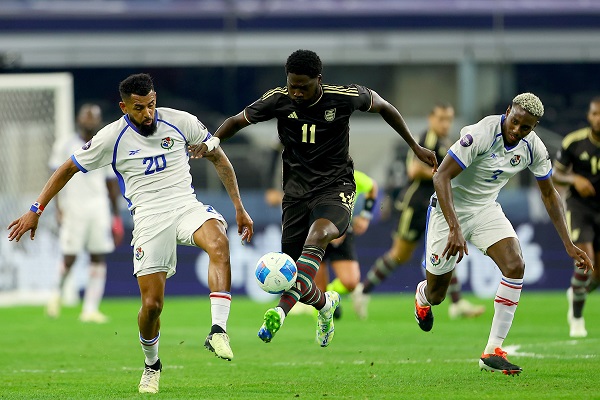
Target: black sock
[
  {"x": 157, "y": 366},
  {"x": 216, "y": 329}
]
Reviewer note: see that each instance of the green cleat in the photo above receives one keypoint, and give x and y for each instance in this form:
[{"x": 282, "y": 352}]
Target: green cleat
[
  {"x": 325, "y": 328},
  {"x": 270, "y": 326}
]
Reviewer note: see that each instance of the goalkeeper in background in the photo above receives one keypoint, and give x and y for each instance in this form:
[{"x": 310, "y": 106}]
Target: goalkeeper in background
[{"x": 84, "y": 211}]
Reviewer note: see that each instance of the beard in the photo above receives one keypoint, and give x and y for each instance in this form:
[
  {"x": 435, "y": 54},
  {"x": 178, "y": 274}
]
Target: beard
[{"x": 147, "y": 130}]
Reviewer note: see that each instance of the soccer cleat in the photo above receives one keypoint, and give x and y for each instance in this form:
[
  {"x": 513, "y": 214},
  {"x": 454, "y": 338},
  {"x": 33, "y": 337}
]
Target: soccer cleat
[
  {"x": 360, "y": 301},
  {"x": 325, "y": 326},
  {"x": 93, "y": 316},
  {"x": 53, "y": 306},
  {"x": 218, "y": 343},
  {"x": 498, "y": 362},
  {"x": 465, "y": 309},
  {"x": 577, "y": 328},
  {"x": 150, "y": 379},
  {"x": 424, "y": 317},
  {"x": 270, "y": 326}
]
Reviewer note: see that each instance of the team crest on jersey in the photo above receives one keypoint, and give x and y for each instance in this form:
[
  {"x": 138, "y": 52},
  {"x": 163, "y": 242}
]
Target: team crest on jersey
[
  {"x": 139, "y": 253},
  {"x": 466, "y": 140},
  {"x": 515, "y": 160},
  {"x": 330, "y": 115},
  {"x": 87, "y": 145},
  {"x": 166, "y": 143},
  {"x": 435, "y": 259}
]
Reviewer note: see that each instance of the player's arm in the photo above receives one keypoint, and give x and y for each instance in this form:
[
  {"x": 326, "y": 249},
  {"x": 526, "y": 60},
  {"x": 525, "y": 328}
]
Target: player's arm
[
  {"x": 361, "y": 222},
  {"x": 227, "y": 129},
  {"x": 565, "y": 176},
  {"x": 29, "y": 220},
  {"x": 554, "y": 207},
  {"x": 227, "y": 175},
  {"x": 456, "y": 243},
  {"x": 392, "y": 116},
  {"x": 417, "y": 169}
]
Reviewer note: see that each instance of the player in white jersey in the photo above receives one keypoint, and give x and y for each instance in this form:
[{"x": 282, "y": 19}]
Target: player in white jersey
[
  {"x": 464, "y": 207},
  {"x": 84, "y": 215},
  {"x": 147, "y": 149}
]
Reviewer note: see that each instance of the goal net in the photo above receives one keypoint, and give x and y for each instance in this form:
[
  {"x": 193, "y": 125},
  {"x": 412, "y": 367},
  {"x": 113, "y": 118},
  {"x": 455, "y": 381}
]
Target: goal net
[{"x": 35, "y": 110}]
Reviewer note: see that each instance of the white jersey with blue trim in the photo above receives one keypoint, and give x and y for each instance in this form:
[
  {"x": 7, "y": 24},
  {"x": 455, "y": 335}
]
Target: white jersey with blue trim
[
  {"x": 488, "y": 163},
  {"x": 153, "y": 171},
  {"x": 82, "y": 193}
]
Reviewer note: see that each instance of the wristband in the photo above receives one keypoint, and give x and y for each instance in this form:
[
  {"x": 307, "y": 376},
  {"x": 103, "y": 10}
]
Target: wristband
[
  {"x": 369, "y": 204},
  {"x": 37, "y": 208},
  {"x": 212, "y": 143}
]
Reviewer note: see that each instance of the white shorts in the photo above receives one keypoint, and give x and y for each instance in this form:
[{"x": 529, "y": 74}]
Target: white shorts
[
  {"x": 484, "y": 228},
  {"x": 89, "y": 231},
  {"x": 155, "y": 237}
]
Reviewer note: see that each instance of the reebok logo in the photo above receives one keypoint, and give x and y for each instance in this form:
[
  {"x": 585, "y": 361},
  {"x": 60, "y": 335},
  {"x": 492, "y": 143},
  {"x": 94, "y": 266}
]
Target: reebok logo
[
  {"x": 134, "y": 152},
  {"x": 293, "y": 115}
]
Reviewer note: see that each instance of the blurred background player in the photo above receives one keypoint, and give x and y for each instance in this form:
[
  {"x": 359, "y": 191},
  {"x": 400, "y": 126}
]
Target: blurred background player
[
  {"x": 341, "y": 252},
  {"x": 413, "y": 208},
  {"x": 84, "y": 211},
  {"x": 577, "y": 165}
]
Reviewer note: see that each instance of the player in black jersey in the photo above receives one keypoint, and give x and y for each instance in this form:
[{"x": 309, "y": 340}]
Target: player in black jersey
[
  {"x": 318, "y": 183},
  {"x": 411, "y": 226},
  {"x": 578, "y": 166}
]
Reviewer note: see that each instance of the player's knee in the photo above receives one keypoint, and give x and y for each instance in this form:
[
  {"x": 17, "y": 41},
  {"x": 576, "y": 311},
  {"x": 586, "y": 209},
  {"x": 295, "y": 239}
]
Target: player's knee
[
  {"x": 320, "y": 237},
  {"x": 218, "y": 249},
  {"x": 152, "y": 306},
  {"x": 514, "y": 269}
]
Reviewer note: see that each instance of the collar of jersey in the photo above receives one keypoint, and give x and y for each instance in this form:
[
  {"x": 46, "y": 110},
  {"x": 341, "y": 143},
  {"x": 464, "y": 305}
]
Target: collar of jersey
[{"x": 132, "y": 125}]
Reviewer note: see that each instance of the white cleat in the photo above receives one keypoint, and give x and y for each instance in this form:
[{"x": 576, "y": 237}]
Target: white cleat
[
  {"x": 218, "y": 343},
  {"x": 325, "y": 327},
  {"x": 360, "y": 301},
  {"x": 577, "y": 328},
  {"x": 149, "y": 381},
  {"x": 465, "y": 309},
  {"x": 93, "y": 316},
  {"x": 53, "y": 306}
]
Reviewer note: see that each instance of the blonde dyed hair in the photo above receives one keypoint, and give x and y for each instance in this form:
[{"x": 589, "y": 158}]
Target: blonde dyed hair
[{"x": 530, "y": 103}]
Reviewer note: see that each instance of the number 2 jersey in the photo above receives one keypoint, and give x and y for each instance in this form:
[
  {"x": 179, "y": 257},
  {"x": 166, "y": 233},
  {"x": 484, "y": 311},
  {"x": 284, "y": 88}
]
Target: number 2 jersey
[
  {"x": 316, "y": 138},
  {"x": 153, "y": 171},
  {"x": 488, "y": 163}
]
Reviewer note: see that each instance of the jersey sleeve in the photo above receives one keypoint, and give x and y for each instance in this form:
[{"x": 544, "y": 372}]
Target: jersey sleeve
[
  {"x": 564, "y": 155},
  {"x": 364, "y": 100},
  {"x": 364, "y": 183},
  {"x": 197, "y": 131},
  {"x": 540, "y": 166},
  {"x": 263, "y": 109},
  {"x": 96, "y": 153},
  {"x": 470, "y": 145}
]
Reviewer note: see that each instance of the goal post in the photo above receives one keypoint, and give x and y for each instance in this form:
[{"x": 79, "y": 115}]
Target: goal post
[{"x": 36, "y": 110}]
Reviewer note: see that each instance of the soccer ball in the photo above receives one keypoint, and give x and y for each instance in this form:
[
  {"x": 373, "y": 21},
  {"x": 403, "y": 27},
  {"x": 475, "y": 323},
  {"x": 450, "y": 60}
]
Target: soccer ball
[{"x": 275, "y": 272}]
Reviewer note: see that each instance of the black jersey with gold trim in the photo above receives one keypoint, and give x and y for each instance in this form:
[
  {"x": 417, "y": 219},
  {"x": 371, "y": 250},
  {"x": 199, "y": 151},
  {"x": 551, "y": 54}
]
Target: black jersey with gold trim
[
  {"x": 315, "y": 137},
  {"x": 581, "y": 152}
]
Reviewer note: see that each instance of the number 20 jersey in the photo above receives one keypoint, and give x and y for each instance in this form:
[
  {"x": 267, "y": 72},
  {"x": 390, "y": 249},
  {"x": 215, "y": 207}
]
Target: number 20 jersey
[
  {"x": 488, "y": 163},
  {"x": 153, "y": 171},
  {"x": 316, "y": 137}
]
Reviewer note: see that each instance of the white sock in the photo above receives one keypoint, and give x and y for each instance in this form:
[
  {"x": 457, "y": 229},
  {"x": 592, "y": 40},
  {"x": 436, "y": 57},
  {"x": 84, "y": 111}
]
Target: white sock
[
  {"x": 505, "y": 305},
  {"x": 150, "y": 348},
  {"x": 420, "y": 294},
  {"x": 94, "y": 290},
  {"x": 220, "y": 304}
]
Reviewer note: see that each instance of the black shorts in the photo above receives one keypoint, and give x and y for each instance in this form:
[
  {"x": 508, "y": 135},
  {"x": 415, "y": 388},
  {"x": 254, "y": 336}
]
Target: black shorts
[
  {"x": 413, "y": 217},
  {"x": 344, "y": 252},
  {"x": 334, "y": 204},
  {"x": 583, "y": 222}
]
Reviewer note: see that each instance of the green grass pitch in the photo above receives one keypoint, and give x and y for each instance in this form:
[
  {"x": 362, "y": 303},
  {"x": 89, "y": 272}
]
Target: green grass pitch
[{"x": 384, "y": 357}]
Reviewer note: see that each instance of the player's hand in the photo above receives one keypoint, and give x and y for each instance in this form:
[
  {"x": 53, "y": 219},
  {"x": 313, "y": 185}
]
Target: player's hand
[
  {"x": 360, "y": 225},
  {"x": 27, "y": 222},
  {"x": 583, "y": 186},
  {"x": 582, "y": 261},
  {"x": 197, "y": 150},
  {"x": 427, "y": 156},
  {"x": 245, "y": 225},
  {"x": 456, "y": 244},
  {"x": 118, "y": 231}
]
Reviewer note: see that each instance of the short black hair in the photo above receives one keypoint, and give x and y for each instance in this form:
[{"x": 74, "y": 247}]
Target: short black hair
[
  {"x": 140, "y": 84},
  {"x": 304, "y": 62}
]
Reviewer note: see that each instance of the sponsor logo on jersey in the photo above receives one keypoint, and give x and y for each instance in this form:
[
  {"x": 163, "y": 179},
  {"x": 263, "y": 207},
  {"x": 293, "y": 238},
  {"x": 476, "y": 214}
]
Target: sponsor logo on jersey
[
  {"x": 293, "y": 115},
  {"x": 87, "y": 145},
  {"x": 466, "y": 140},
  {"x": 435, "y": 259},
  {"x": 166, "y": 143},
  {"x": 134, "y": 152},
  {"x": 330, "y": 115},
  {"x": 515, "y": 160},
  {"x": 139, "y": 253}
]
